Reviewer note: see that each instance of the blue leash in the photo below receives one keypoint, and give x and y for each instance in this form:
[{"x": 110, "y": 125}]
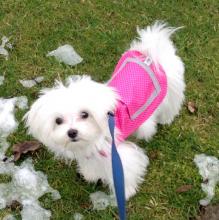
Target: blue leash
[{"x": 118, "y": 175}]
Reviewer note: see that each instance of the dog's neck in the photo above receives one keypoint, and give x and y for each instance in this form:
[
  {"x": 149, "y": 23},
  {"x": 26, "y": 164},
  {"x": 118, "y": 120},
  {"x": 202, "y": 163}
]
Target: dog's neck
[{"x": 101, "y": 146}]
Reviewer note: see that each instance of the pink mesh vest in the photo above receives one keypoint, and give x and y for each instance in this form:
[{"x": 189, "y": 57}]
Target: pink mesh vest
[{"x": 141, "y": 87}]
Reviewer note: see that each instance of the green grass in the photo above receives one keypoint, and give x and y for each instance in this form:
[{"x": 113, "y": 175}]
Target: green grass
[{"x": 100, "y": 31}]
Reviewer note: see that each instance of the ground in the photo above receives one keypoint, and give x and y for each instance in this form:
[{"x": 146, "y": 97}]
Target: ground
[{"x": 100, "y": 31}]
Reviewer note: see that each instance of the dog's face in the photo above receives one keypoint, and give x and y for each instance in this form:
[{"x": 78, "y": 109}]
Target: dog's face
[
  {"x": 71, "y": 122},
  {"x": 71, "y": 117}
]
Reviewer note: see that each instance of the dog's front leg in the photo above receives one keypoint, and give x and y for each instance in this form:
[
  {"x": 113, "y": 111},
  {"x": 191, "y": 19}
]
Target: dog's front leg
[
  {"x": 134, "y": 163},
  {"x": 90, "y": 168}
]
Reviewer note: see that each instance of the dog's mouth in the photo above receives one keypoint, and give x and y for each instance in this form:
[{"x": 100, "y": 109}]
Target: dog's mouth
[
  {"x": 74, "y": 139},
  {"x": 77, "y": 139}
]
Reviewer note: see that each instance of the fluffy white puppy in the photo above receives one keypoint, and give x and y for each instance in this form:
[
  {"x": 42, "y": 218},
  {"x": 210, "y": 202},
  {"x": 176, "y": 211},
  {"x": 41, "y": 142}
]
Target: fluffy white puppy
[{"x": 71, "y": 120}]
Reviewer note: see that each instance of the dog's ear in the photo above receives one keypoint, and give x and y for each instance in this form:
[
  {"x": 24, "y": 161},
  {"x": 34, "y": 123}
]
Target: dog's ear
[
  {"x": 105, "y": 102},
  {"x": 102, "y": 121},
  {"x": 38, "y": 119},
  {"x": 33, "y": 117}
]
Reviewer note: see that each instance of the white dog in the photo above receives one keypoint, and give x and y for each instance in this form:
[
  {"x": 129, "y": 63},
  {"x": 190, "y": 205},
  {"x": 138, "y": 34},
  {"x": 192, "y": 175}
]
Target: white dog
[{"x": 72, "y": 120}]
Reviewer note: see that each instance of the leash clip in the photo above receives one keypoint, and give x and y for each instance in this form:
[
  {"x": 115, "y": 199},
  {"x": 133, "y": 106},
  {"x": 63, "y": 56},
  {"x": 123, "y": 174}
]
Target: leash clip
[{"x": 110, "y": 114}]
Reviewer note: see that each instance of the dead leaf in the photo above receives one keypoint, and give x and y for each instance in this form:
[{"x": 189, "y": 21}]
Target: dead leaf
[
  {"x": 15, "y": 205},
  {"x": 153, "y": 155},
  {"x": 24, "y": 147},
  {"x": 210, "y": 212},
  {"x": 191, "y": 107},
  {"x": 85, "y": 205},
  {"x": 184, "y": 188}
]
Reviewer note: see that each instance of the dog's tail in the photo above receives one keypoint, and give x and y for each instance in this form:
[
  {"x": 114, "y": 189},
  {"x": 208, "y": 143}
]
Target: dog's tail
[{"x": 155, "y": 41}]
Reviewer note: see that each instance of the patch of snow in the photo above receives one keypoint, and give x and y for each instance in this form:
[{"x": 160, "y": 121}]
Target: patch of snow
[
  {"x": 8, "y": 123},
  {"x": 22, "y": 102},
  {"x": 26, "y": 187},
  {"x": 209, "y": 170},
  {"x": 9, "y": 45},
  {"x": 78, "y": 216},
  {"x": 9, "y": 217},
  {"x": 34, "y": 211},
  {"x": 25, "y": 178},
  {"x": 2, "y": 78},
  {"x": 5, "y": 43},
  {"x": 31, "y": 82},
  {"x": 101, "y": 200},
  {"x": 66, "y": 54}
]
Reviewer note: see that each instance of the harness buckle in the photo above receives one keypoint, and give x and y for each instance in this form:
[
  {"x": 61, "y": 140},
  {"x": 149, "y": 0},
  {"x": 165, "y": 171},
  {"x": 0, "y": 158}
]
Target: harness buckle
[{"x": 148, "y": 61}]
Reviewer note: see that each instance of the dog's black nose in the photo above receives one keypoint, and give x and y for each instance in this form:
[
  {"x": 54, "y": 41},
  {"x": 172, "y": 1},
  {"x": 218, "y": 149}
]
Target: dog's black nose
[{"x": 72, "y": 133}]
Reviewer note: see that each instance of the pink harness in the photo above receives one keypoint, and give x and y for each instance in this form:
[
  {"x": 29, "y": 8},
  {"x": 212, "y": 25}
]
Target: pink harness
[{"x": 141, "y": 87}]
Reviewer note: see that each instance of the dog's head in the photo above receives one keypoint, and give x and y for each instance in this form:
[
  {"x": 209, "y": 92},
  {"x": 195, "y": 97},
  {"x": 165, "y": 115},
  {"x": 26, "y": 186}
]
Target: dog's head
[{"x": 72, "y": 116}]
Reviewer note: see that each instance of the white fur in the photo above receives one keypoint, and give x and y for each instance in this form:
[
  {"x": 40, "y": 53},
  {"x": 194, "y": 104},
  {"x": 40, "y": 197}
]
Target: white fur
[
  {"x": 155, "y": 41},
  {"x": 92, "y": 150}
]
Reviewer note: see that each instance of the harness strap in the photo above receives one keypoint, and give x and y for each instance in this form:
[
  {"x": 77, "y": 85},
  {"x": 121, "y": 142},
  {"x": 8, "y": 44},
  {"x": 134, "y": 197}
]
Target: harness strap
[{"x": 117, "y": 169}]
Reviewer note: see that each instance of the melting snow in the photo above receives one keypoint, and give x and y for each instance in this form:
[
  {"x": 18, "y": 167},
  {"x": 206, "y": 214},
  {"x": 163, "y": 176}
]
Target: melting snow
[
  {"x": 32, "y": 82},
  {"x": 78, "y": 216},
  {"x": 66, "y": 54},
  {"x": 8, "y": 123},
  {"x": 101, "y": 200},
  {"x": 5, "y": 43},
  {"x": 2, "y": 78},
  {"x": 209, "y": 170},
  {"x": 9, "y": 217},
  {"x": 22, "y": 102},
  {"x": 26, "y": 187}
]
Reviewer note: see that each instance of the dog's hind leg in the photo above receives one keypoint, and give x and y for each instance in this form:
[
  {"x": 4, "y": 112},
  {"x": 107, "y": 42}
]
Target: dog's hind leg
[{"x": 147, "y": 130}]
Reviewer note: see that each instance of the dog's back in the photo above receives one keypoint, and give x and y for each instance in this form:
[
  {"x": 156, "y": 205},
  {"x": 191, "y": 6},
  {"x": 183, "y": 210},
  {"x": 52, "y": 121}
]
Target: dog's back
[{"x": 155, "y": 41}]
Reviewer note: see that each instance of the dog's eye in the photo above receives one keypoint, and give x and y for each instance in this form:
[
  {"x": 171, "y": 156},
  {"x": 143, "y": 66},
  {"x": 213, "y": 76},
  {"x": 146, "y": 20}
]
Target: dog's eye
[
  {"x": 59, "y": 121},
  {"x": 84, "y": 115}
]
